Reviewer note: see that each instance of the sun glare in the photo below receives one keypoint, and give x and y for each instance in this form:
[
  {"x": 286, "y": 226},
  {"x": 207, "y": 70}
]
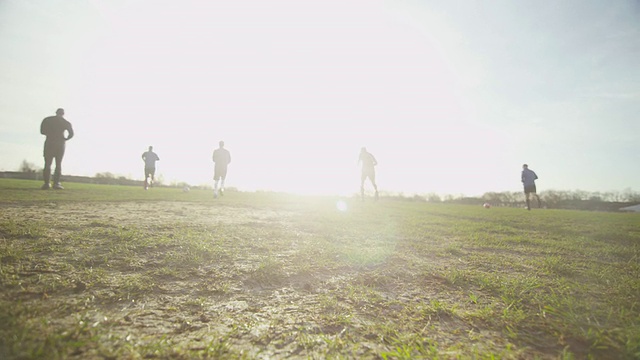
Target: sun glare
[{"x": 293, "y": 112}]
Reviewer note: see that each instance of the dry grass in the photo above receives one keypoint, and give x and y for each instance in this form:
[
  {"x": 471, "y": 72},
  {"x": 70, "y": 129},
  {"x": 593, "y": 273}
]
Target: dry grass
[{"x": 111, "y": 272}]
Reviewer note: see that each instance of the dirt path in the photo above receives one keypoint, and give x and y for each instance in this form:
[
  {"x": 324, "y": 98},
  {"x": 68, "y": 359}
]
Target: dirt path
[{"x": 170, "y": 279}]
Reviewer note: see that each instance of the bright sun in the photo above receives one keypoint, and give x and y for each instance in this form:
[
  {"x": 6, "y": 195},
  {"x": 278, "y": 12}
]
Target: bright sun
[{"x": 293, "y": 95}]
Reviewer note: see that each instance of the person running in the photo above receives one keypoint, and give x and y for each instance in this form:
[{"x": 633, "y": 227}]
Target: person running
[
  {"x": 529, "y": 178},
  {"x": 368, "y": 170},
  {"x": 149, "y": 158},
  {"x": 221, "y": 158},
  {"x": 54, "y": 127}
]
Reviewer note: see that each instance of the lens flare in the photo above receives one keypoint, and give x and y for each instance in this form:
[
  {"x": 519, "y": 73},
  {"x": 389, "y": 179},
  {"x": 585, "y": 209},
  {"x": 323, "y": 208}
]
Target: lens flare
[{"x": 341, "y": 205}]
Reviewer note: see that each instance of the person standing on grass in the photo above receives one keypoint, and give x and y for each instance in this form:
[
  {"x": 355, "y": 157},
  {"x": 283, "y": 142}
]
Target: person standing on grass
[
  {"x": 368, "y": 162},
  {"x": 529, "y": 178},
  {"x": 221, "y": 158},
  {"x": 149, "y": 158},
  {"x": 54, "y": 127}
]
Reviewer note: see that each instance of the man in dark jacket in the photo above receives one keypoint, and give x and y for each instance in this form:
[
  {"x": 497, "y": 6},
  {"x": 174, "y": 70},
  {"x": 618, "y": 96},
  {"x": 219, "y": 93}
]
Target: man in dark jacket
[{"x": 54, "y": 127}]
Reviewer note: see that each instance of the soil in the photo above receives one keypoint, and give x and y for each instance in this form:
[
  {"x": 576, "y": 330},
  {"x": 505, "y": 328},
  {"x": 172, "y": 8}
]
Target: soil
[{"x": 222, "y": 309}]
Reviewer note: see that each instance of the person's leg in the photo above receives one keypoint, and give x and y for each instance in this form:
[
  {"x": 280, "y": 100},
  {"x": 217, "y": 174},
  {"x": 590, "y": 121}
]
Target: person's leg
[
  {"x": 58, "y": 155},
  {"x": 223, "y": 176},
  {"x": 526, "y": 196},
  {"x": 363, "y": 177},
  {"x": 372, "y": 177},
  {"x": 216, "y": 178},
  {"x": 57, "y": 173},
  {"x": 146, "y": 178},
  {"x": 152, "y": 175},
  {"x": 46, "y": 173},
  {"x": 538, "y": 198}
]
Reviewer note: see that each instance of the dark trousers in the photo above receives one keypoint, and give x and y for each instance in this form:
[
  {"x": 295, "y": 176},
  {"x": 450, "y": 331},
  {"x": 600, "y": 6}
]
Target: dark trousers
[{"x": 52, "y": 151}]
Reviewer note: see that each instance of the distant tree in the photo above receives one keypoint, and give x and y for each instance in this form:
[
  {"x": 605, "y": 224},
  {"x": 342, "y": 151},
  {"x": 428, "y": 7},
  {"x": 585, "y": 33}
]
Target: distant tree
[
  {"x": 492, "y": 197},
  {"x": 27, "y": 167},
  {"x": 552, "y": 198},
  {"x": 608, "y": 196},
  {"x": 105, "y": 175},
  {"x": 433, "y": 197},
  {"x": 595, "y": 197},
  {"x": 579, "y": 195},
  {"x": 629, "y": 195}
]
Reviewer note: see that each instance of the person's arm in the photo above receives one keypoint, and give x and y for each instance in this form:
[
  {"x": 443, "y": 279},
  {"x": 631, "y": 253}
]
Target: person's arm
[
  {"x": 375, "y": 162},
  {"x": 229, "y": 158},
  {"x": 522, "y": 176},
  {"x": 43, "y": 127},
  {"x": 69, "y": 131},
  {"x": 143, "y": 156}
]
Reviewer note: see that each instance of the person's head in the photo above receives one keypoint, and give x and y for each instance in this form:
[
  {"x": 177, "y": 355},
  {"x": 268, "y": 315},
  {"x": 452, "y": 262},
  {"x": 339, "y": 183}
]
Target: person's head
[
  {"x": 150, "y": 148},
  {"x": 525, "y": 166},
  {"x": 363, "y": 150},
  {"x": 60, "y": 112},
  {"x": 221, "y": 143}
]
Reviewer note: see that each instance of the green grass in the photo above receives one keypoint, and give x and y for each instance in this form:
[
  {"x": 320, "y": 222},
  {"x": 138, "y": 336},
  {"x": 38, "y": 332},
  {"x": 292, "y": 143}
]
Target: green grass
[{"x": 97, "y": 271}]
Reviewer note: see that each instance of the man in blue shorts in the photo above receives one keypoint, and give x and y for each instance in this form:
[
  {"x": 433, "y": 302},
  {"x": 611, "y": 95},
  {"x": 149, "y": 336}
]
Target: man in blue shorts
[
  {"x": 54, "y": 127},
  {"x": 529, "y": 178}
]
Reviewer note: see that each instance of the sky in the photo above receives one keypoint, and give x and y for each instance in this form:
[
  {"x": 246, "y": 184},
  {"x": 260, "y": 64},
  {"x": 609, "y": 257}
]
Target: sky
[{"x": 451, "y": 97}]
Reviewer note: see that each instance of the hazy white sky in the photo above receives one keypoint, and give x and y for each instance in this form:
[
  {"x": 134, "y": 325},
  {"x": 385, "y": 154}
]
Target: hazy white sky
[{"x": 450, "y": 96}]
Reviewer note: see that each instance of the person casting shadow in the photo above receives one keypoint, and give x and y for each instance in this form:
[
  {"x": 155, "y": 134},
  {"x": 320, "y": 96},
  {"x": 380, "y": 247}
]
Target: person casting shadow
[
  {"x": 149, "y": 158},
  {"x": 54, "y": 127},
  {"x": 368, "y": 162},
  {"x": 529, "y": 178},
  {"x": 222, "y": 158}
]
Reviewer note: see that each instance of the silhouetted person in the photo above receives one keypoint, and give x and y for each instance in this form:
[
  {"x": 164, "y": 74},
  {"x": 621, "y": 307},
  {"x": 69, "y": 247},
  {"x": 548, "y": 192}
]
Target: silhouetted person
[
  {"x": 368, "y": 170},
  {"x": 221, "y": 158},
  {"x": 54, "y": 127},
  {"x": 150, "y": 159},
  {"x": 529, "y": 178}
]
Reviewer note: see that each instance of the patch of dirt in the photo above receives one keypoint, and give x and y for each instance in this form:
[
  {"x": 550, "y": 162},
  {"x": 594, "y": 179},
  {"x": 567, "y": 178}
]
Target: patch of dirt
[{"x": 225, "y": 307}]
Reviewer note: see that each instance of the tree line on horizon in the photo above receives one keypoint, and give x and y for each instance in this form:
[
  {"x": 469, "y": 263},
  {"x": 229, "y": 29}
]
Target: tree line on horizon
[{"x": 551, "y": 199}]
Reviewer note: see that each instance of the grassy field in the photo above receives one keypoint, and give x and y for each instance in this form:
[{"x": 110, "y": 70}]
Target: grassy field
[{"x": 109, "y": 272}]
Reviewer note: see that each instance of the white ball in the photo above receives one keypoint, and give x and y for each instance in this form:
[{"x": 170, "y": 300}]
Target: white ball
[
  {"x": 186, "y": 189},
  {"x": 486, "y": 205}
]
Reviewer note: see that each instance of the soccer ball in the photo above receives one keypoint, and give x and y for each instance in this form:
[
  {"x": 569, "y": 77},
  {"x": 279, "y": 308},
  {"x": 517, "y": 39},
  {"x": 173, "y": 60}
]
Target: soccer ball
[
  {"x": 186, "y": 189},
  {"x": 486, "y": 205}
]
